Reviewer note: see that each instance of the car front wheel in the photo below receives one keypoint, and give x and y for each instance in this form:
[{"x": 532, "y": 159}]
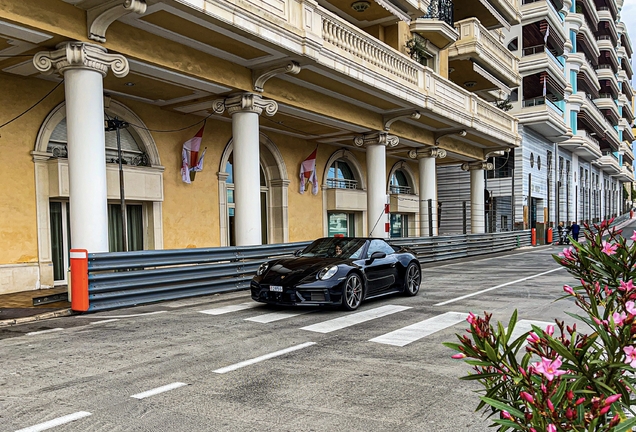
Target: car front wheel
[
  {"x": 352, "y": 292},
  {"x": 412, "y": 280}
]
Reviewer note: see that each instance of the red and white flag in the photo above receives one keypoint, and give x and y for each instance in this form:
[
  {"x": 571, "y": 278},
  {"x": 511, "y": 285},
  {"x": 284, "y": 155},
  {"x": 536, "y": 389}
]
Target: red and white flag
[
  {"x": 190, "y": 156},
  {"x": 308, "y": 173}
]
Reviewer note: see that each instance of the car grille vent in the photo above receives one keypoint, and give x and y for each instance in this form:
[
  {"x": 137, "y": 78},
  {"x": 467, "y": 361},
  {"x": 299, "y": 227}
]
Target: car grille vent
[{"x": 317, "y": 296}]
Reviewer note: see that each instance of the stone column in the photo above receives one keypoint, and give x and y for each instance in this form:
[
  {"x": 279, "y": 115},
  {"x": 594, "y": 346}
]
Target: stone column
[
  {"x": 477, "y": 201},
  {"x": 84, "y": 67},
  {"x": 376, "y": 144},
  {"x": 245, "y": 109},
  {"x": 428, "y": 186}
]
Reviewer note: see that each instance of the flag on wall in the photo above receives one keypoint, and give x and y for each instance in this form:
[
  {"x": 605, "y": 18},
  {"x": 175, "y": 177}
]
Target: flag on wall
[
  {"x": 308, "y": 173},
  {"x": 190, "y": 161}
]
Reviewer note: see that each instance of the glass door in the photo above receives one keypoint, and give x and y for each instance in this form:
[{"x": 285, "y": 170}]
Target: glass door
[{"x": 60, "y": 240}]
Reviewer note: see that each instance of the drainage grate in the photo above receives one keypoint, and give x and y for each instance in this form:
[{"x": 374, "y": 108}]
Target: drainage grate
[{"x": 53, "y": 298}]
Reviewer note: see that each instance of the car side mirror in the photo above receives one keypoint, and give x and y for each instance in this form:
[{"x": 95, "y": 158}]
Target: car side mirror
[
  {"x": 297, "y": 252},
  {"x": 377, "y": 255}
]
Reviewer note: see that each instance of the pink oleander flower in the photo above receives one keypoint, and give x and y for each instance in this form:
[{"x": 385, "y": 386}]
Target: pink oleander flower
[
  {"x": 626, "y": 286},
  {"x": 549, "y": 369},
  {"x": 629, "y": 307},
  {"x": 549, "y": 330},
  {"x": 630, "y": 353},
  {"x": 550, "y": 405},
  {"x": 459, "y": 356},
  {"x": 567, "y": 253},
  {"x": 568, "y": 289},
  {"x": 533, "y": 338},
  {"x": 579, "y": 401},
  {"x": 611, "y": 399},
  {"x": 608, "y": 248},
  {"x": 619, "y": 318},
  {"x": 526, "y": 397},
  {"x": 471, "y": 318},
  {"x": 633, "y": 237},
  {"x": 506, "y": 415},
  {"x": 604, "y": 410},
  {"x": 551, "y": 428}
]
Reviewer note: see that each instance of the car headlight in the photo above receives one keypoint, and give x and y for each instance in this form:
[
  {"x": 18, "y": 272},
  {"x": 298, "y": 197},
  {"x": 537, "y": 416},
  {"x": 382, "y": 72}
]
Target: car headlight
[
  {"x": 262, "y": 269},
  {"x": 327, "y": 272}
]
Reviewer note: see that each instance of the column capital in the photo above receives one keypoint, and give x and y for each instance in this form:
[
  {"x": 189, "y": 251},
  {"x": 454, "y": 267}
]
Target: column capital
[
  {"x": 245, "y": 102},
  {"x": 430, "y": 152},
  {"x": 376, "y": 138},
  {"x": 80, "y": 55},
  {"x": 479, "y": 165}
]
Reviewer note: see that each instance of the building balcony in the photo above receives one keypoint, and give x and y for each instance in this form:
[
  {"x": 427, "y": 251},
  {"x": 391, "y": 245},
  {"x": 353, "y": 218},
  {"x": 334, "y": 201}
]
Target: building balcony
[
  {"x": 625, "y": 39},
  {"x": 346, "y": 199},
  {"x": 476, "y": 43},
  {"x": 605, "y": 72},
  {"x": 626, "y": 85},
  {"x": 584, "y": 145},
  {"x": 627, "y": 111},
  {"x": 544, "y": 117},
  {"x": 606, "y": 16},
  {"x": 492, "y": 14},
  {"x": 534, "y": 10},
  {"x": 509, "y": 9},
  {"x": 539, "y": 59},
  {"x": 609, "y": 163},
  {"x": 586, "y": 36},
  {"x": 608, "y": 50},
  {"x": 628, "y": 133},
  {"x": 575, "y": 21},
  {"x": 625, "y": 175},
  {"x": 404, "y": 203},
  {"x": 626, "y": 65},
  {"x": 607, "y": 105},
  {"x": 437, "y": 25}
]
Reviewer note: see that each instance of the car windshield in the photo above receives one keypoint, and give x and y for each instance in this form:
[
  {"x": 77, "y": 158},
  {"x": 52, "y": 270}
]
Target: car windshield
[{"x": 335, "y": 247}]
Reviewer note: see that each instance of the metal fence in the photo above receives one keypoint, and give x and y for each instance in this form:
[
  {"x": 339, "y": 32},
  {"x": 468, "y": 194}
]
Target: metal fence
[{"x": 123, "y": 279}]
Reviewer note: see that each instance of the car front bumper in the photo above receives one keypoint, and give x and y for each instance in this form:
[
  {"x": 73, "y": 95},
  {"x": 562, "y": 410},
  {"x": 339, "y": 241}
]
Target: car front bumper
[{"x": 297, "y": 296}]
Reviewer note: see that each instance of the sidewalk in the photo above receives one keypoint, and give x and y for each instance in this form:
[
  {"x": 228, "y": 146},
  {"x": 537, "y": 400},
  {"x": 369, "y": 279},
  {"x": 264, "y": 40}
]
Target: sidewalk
[{"x": 34, "y": 305}]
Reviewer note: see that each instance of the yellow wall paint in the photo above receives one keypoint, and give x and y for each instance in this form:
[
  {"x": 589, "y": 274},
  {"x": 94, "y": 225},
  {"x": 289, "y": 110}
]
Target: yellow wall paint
[{"x": 18, "y": 233}]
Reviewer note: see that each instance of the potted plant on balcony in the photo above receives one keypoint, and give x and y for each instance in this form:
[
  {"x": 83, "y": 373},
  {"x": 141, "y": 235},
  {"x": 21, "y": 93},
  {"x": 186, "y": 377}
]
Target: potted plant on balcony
[{"x": 566, "y": 380}]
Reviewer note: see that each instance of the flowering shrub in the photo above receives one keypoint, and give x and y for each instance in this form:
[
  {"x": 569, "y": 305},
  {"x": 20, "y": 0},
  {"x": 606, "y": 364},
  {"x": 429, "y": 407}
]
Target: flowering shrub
[{"x": 565, "y": 380}]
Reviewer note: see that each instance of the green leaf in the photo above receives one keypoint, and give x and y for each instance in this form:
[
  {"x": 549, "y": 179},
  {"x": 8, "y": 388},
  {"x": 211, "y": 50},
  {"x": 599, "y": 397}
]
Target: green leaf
[
  {"x": 626, "y": 425},
  {"x": 502, "y": 407},
  {"x": 511, "y": 325},
  {"x": 507, "y": 423},
  {"x": 490, "y": 352}
]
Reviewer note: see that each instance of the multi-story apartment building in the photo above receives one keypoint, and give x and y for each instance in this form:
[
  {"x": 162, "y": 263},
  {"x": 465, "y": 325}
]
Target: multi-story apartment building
[
  {"x": 397, "y": 98},
  {"x": 575, "y": 117}
]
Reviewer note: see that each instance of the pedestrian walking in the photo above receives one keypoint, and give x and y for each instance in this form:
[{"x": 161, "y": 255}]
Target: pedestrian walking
[
  {"x": 560, "y": 231},
  {"x": 576, "y": 229}
]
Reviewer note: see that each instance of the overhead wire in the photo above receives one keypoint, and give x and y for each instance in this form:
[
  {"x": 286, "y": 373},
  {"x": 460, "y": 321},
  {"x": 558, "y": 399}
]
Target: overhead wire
[{"x": 32, "y": 106}]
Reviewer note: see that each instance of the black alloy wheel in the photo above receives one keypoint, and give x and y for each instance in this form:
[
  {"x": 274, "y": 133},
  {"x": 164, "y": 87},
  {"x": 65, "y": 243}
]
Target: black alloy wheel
[
  {"x": 352, "y": 292},
  {"x": 412, "y": 279}
]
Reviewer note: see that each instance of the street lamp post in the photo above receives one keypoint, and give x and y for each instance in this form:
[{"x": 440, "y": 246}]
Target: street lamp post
[{"x": 115, "y": 125}]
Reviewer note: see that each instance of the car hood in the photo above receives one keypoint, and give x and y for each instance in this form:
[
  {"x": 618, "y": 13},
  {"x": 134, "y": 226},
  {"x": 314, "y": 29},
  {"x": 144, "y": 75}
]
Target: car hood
[{"x": 292, "y": 271}]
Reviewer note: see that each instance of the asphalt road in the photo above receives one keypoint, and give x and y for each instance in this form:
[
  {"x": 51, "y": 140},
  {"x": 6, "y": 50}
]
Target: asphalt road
[{"x": 232, "y": 369}]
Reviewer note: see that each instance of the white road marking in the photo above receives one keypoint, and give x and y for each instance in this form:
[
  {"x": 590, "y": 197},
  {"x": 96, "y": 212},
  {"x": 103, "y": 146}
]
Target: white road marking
[
  {"x": 158, "y": 390},
  {"x": 495, "y": 287},
  {"x": 353, "y": 319},
  {"x": 276, "y": 316},
  {"x": 56, "y": 422},
  {"x": 524, "y": 326},
  {"x": 231, "y": 308},
  {"x": 262, "y": 358},
  {"x": 406, "y": 335},
  {"x": 121, "y": 316},
  {"x": 105, "y": 321},
  {"x": 44, "y": 331}
]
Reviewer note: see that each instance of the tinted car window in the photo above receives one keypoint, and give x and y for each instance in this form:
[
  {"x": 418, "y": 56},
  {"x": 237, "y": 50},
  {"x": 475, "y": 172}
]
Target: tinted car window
[
  {"x": 379, "y": 246},
  {"x": 351, "y": 248}
]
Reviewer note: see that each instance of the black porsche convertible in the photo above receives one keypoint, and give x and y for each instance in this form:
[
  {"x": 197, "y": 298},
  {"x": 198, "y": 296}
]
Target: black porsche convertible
[{"x": 338, "y": 271}]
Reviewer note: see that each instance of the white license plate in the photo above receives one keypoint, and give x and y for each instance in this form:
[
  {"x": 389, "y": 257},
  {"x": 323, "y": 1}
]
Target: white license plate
[{"x": 276, "y": 288}]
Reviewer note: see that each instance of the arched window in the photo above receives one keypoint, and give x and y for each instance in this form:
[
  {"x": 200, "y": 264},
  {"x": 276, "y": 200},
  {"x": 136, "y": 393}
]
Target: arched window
[
  {"x": 340, "y": 176},
  {"x": 399, "y": 184},
  {"x": 229, "y": 185}
]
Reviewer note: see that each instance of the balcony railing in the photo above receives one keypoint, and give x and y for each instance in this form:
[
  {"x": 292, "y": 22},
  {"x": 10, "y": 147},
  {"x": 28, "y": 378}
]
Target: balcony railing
[
  {"x": 442, "y": 10},
  {"x": 333, "y": 183},
  {"x": 395, "y": 189},
  {"x": 542, "y": 101}
]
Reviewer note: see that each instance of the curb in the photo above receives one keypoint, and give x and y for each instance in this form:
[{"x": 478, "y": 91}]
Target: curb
[{"x": 47, "y": 315}]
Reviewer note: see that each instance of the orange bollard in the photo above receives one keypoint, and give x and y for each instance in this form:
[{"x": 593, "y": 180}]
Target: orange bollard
[
  {"x": 79, "y": 280},
  {"x": 534, "y": 236},
  {"x": 631, "y": 214},
  {"x": 549, "y": 240}
]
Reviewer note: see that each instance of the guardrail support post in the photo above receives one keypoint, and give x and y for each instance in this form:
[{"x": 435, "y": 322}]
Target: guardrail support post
[
  {"x": 430, "y": 217},
  {"x": 79, "y": 280},
  {"x": 464, "y": 213},
  {"x": 534, "y": 236}
]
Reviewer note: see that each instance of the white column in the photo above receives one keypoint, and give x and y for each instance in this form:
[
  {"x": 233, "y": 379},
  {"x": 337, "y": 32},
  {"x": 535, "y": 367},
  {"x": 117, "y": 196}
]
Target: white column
[
  {"x": 245, "y": 109},
  {"x": 84, "y": 66},
  {"x": 376, "y": 144},
  {"x": 477, "y": 203},
  {"x": 428, "y": 186}
]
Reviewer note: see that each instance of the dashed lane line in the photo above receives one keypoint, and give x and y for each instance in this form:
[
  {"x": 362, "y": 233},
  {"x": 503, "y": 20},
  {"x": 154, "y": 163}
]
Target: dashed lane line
[
  {"x": 231, "y": 308},
  {"x": 158, "y": 390},
  {"x": 44, "y": 331},
  {"x": 56, "y": 422},
  {"x": 262, "y": 358}
]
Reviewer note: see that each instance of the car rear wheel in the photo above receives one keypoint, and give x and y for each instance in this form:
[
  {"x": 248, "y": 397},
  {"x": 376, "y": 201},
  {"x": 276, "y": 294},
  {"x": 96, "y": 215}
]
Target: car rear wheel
[
  {"x": 352, "y": 292},
  {"x": 412, "y": 279}
]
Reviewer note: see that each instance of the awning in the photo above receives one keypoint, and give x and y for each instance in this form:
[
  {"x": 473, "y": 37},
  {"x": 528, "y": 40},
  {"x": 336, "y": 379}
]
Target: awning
[
  {"x": 556, "y": 88},
  {"x": 386, "y": 4},
  {"x": 592, "y": 124},
  {"x": 589, "y": 84},
  {"x": 553, "y": 35},
  {"x": 490, "y": 77}
]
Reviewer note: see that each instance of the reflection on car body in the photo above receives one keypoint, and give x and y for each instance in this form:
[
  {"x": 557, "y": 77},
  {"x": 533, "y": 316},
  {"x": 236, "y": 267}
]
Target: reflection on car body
[{"x": 363, "y": 268}]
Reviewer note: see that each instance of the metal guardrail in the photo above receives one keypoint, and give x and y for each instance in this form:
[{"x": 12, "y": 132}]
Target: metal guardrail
[{"x": 121, "y": 279}]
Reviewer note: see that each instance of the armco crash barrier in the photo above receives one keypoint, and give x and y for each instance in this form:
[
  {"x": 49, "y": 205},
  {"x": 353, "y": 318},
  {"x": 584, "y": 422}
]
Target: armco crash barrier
[{"x": 101, "y": 281}]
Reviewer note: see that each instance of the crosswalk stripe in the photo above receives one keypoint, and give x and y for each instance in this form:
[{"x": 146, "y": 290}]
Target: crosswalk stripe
[
  {"x": 408, "y": 334},
  {"x": 355, "y": 318},
  {"x": 524, "y": 326},
  {"x": 276, "y": 316},
  {"x": 231, "y": 308}
]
